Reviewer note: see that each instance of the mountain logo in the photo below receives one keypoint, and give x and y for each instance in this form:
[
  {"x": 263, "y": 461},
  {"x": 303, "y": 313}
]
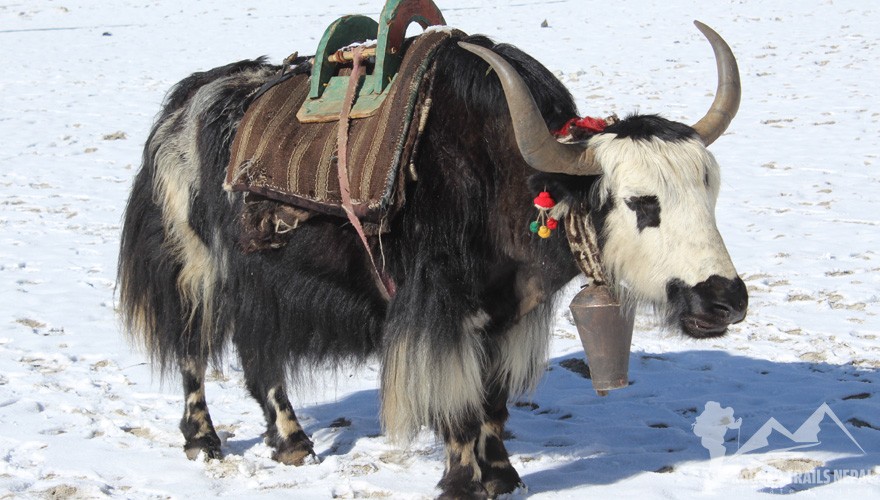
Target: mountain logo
[{"x": 714, "y": 422}]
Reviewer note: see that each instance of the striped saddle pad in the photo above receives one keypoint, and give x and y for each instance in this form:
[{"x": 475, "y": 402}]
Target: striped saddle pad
[{"x": 278, "y": 157}]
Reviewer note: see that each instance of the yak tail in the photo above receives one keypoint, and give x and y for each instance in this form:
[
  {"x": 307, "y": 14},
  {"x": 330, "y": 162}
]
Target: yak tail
[
  {"x": 169, "y": 274},
  {"x": 166, "y": 275}
]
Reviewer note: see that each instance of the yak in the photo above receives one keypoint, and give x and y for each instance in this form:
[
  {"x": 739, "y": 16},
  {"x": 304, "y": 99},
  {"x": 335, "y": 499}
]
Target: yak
[{"x": 467, "y": 326}]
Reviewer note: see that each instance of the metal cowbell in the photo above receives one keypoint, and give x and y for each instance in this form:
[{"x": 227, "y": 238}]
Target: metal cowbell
[{"x": 605, "y": 328}]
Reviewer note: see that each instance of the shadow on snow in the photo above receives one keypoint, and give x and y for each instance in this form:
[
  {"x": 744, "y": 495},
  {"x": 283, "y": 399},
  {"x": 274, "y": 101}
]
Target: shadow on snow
[
  {"x": 648, "y": 427},
  {"x": 566, "y": 436}
]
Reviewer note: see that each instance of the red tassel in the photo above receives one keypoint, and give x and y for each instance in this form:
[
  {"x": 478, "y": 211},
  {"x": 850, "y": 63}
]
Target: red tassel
[{"x": 588, "y": 123}]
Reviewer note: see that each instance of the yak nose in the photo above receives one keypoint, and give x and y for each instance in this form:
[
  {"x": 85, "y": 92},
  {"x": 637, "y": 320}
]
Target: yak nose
[
  {"x": 706, "y": 309},
  {"x": 726, "y": 299}
]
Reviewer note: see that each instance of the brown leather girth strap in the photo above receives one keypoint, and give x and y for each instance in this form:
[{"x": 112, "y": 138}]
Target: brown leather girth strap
[{"x": 342, "y": 167}]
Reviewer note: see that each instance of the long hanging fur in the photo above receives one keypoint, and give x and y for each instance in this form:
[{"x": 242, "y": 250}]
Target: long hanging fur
[
  {"x": 450, "y": 328},
  {"x": 469, "y": 325},
  {"x": 170, "y": 269},
  {"x": 458, "y": 252},
  {"x": 186, "y": 286}
]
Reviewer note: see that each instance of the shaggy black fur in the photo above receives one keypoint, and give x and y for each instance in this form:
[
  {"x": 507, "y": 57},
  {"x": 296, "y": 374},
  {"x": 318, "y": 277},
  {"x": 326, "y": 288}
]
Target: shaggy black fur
[
  {"x": 470, "y": 170},
  {"x": 458, "y": 248},
  {"x": 651, "y": 126},
  {"x": 466, "y": 268}
]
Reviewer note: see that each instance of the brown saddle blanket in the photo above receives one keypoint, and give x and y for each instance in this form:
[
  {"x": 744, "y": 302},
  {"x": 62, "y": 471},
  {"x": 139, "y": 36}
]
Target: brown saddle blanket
[{"x": 278, "y": 157}]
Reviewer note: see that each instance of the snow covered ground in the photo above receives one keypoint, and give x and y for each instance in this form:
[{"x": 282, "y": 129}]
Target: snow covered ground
[{"x": 81, "y": 415}]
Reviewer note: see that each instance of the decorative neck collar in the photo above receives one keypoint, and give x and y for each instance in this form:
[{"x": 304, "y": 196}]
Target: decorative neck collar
[{"x": 584, "y": 244}]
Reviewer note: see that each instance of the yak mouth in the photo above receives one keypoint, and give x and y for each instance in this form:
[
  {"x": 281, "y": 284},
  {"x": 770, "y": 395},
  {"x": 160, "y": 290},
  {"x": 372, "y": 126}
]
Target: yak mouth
[
  {"x": 708, "y": 308},
  {"x": 702, "y": 327}
]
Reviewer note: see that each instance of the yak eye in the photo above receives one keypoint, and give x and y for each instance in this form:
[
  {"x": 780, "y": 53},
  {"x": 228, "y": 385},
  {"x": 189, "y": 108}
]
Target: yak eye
[{"x": 647, "y": 209}]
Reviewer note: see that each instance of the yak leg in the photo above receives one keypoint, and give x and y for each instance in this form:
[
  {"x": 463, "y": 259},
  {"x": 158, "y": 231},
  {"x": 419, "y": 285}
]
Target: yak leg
[
  {"x": 196, "y": 425},
  {"x": 283, "y": 431},
  {"x": 498, "y": 475},
  {"x": 463, "y": 476},
  {"x": 292, "y": 446},
  {"x": 477, "y": 464}
]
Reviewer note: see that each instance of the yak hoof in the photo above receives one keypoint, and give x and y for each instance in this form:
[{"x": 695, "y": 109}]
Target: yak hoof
[
  {"x": 499, "y": 481},
  {"x": 458, "y": 483},
  {"x": 470, "y": 491},
  {"x": 295, "y": 457},
  {"x": 204, "y": 445},
  {"x": 497, "y": 487},
  {"x": 295, "y": 450},
  {"x": 300, "y": 454}
]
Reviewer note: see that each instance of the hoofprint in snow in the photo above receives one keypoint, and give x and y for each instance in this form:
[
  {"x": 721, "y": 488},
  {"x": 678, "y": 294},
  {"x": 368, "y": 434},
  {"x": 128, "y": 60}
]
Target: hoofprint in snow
[{"x": 82, "y": 416}]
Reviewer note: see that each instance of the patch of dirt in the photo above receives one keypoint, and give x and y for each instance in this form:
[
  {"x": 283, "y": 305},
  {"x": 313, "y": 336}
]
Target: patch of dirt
[
  {"x": 361, "y": 469},
  {"x": 31, "y": 323},
  {"x": 116, "y": 136},
  {"x": 813, "y": 357},
  {"x": 576, "y": 365},
  {"x": 857, "y": 422},
  {"x": 140, "y": 432},
  {"x": 798, "y": 297},
  {"x": 526, "y": 404},
  {"x": 62, "y": 491},
  {"x": 749, "y": 474},
  {"x": 797, "y": 465},
  {"x": 558, "y": 443},
  {"x": 340, "y": 422}
]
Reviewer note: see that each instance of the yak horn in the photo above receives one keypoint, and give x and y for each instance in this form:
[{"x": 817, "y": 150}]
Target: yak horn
[
  {"x": 727, "y": 97},
  {"x": 538, "y": 147}
]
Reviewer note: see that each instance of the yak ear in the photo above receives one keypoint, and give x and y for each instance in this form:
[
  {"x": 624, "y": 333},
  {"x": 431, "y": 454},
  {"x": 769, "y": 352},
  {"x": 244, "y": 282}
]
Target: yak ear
[{"x": 562, "y": 187}]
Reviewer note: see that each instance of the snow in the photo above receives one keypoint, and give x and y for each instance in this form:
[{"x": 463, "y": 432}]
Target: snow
[{"x": 82, "y": 415}]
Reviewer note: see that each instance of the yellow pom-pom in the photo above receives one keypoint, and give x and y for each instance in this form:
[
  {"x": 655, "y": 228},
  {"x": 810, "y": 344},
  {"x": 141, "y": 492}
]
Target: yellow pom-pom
[{"x": 544, "y": 232}]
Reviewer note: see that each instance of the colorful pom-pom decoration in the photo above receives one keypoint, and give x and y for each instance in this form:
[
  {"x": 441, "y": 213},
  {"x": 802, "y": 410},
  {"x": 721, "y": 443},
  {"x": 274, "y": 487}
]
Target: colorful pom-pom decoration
[
  {"x": 544, "y": 201},
  {"x": 545, "y": 224}
]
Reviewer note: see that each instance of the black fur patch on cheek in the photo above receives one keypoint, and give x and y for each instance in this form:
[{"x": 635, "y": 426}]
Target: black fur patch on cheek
[{"x": 647, "y": 209}]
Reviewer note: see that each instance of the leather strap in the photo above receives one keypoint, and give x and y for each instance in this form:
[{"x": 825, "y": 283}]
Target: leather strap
[{"x": 342, "y": 168}]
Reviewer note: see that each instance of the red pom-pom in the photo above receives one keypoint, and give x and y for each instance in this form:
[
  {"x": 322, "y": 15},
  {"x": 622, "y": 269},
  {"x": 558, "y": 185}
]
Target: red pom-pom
[
  {"x": 544, "y": 200},
  {"x": 552, "y": 223}
]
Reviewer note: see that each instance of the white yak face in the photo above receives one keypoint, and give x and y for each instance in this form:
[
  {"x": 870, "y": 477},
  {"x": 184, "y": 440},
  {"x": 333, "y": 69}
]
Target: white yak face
[{"x": 656, "y": 216}]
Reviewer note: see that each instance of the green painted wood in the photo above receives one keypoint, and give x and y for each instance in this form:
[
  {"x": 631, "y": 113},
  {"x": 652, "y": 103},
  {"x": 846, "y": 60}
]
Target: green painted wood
[
  {"x": 395, "y": 19},
  {"x": 327, "y": 92},
  {"x": 344, "y": 31}
]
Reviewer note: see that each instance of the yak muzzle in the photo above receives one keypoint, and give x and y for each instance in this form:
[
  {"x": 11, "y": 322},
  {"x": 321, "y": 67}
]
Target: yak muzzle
[{"x": 706, "y": 309}]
